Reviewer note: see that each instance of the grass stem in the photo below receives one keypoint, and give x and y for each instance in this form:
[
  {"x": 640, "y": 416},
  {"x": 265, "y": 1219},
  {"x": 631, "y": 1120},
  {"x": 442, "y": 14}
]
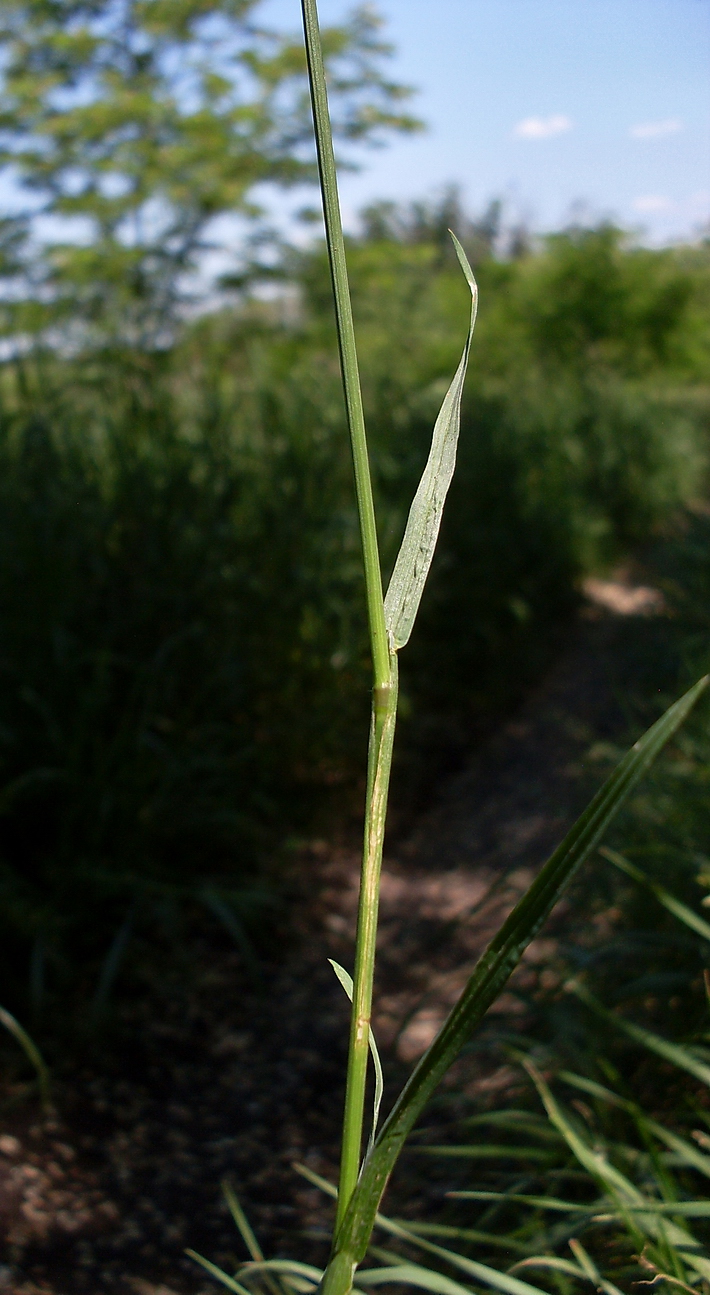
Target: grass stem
[
  {"x": 384, "y": 699},
  {"x": 346, "y": 343}
]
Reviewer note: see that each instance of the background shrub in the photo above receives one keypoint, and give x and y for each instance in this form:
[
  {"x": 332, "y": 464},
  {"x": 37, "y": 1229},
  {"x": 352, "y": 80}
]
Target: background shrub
[{"x": 182, "y": 641}]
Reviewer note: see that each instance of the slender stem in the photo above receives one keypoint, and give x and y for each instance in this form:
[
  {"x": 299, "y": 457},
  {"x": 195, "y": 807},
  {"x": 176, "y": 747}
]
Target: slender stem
[
  {"x": 378, "y": 776},
  {"x": 346, "y": 343},
  {"x": 384, "y": 698}
]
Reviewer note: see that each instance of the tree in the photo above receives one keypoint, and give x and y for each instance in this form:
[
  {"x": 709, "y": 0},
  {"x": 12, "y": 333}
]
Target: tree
[{"x": 143, "y": 121}]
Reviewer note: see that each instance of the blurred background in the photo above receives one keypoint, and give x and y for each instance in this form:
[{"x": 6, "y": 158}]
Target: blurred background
[{"x": 183, "y": 658}]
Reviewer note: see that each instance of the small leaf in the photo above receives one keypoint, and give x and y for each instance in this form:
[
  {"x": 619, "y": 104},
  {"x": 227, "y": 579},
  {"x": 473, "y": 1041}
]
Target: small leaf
[
  {"x": 346, "y": 981},
  {"x": 422, "y": 530}
]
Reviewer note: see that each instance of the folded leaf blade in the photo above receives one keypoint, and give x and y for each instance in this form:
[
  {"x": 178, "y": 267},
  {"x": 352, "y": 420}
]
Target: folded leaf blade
[{"x": 422, "y": 530}]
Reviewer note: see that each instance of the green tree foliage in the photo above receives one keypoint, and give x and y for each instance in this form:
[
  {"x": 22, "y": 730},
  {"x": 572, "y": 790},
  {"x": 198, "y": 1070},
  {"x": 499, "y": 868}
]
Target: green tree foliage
[{"x": 142, "y": 121}]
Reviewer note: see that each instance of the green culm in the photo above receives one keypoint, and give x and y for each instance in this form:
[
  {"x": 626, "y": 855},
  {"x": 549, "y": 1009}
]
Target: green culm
[{"x": 363, "y": 1181}]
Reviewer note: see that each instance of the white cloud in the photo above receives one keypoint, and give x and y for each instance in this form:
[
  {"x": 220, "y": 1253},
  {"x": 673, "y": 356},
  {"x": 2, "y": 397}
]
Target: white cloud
[
  {"x": 542, "y": 127},
  {"x": 650, "y": 202},
  {"x": 656, "y": 129}
]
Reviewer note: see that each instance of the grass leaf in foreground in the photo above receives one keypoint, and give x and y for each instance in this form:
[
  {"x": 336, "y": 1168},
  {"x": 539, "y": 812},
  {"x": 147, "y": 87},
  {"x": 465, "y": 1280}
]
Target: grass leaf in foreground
[{"x": 489, "y": 977}]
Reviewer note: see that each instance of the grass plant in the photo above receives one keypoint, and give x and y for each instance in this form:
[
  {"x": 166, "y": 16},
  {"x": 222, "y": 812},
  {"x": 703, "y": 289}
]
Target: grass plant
[{"x": 363, "y": 1180}]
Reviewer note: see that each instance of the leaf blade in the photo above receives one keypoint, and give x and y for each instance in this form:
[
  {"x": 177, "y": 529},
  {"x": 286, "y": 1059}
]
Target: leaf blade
[
  {"x": 346, "y": 981},
  {"x": 422, "y": 530}
]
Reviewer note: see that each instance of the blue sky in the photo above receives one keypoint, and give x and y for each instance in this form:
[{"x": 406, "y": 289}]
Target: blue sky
[{"x": 547, "y": 104}]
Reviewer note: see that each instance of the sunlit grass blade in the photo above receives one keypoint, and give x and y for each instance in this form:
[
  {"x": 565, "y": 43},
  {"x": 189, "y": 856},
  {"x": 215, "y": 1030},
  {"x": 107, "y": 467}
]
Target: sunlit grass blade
[
  {"x": 680, "y": 1056},
  {"x": 594, "y": 1089},
  {"x": 664, "y": 897},
  {"x": 539, "y": 1202},
  {"x": 287, "y": 1267},
  {"x": 408, "y": 1274},
  {"x": 242, "y": 1222},
  {"x": 448, "y": 1232},
  {"x": 552, "y": 1262},
  {"x": 33, "y": 1054},
  {"x": 230, "y": 1282},
  {"x": 590, "y": 1270},
  {"x": 417, "y": 550},
  {"x": 412, "y": 1275},
  {"x": 685, "y": 1151},
  {"x": 346, "y": 981},
  {"x": 489, "y": 977},
  {"x": 555, "y": 1264}
]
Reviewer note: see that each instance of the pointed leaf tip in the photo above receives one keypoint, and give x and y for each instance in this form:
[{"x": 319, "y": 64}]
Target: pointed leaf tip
[{"x": 465, "y": 264}]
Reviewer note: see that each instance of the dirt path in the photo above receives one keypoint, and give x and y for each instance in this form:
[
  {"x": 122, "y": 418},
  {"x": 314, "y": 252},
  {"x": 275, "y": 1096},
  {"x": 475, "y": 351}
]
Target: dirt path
[{"x": 222, "y": 1077}]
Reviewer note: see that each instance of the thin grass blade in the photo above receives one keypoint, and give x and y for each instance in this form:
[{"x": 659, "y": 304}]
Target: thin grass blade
[
  {"x": 33, "y": 1054},
  {"x": 553, "y": 1262},
  {"x": 590, "y": 1269},
  {"x": 664, "y": 897},
  {"x": 346, "y": 981},
  {"x": 242, "y": 1222},
  {"x": 486, "y": 1151},
  {"x": 112, "y": 965},
  {"x": 445, "y": 1231},
  {"x": 686, "y": 1152},
  {"x": 675, "y": 1052},
  {"x": 422, "y": 530},
  {"x": 539, "y": 1202},
  {"x": 412, "y": 1275},
  {"x": 230, "y": 1282},
  {"x": 595, "y": 1162}
]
